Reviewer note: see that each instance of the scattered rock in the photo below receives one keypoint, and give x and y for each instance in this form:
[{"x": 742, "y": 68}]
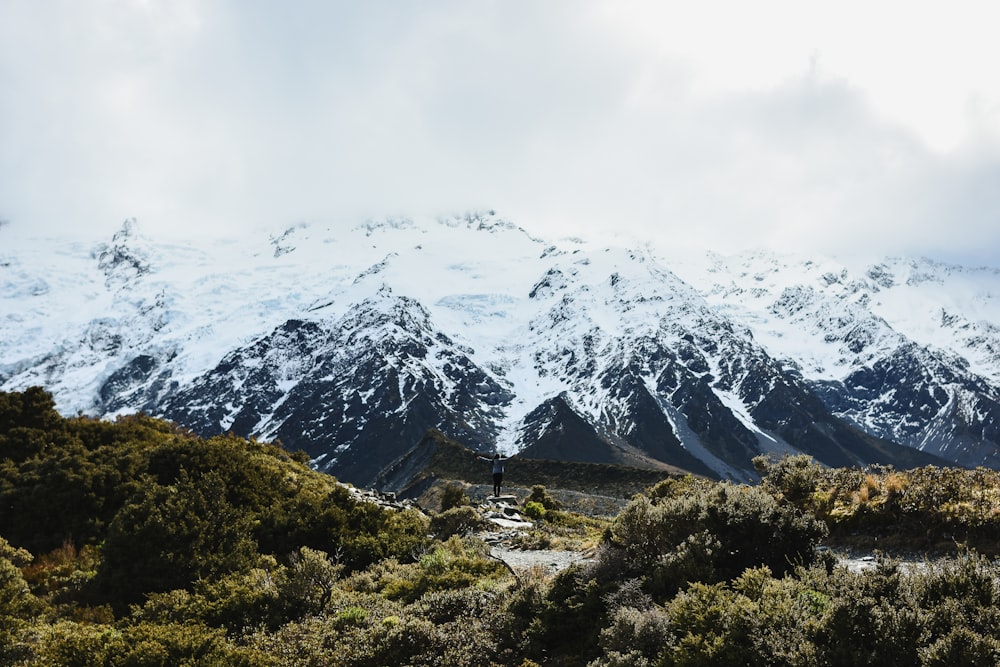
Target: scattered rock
[{"x": 503, "y": 513}]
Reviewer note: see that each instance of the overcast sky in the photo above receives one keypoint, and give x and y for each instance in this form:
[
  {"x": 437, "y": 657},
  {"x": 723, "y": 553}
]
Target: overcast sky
[{"x": 844, "y": 126}]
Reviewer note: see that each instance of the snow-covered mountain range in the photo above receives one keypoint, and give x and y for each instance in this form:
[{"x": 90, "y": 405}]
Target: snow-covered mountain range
[{"x": 351, "y": 342}]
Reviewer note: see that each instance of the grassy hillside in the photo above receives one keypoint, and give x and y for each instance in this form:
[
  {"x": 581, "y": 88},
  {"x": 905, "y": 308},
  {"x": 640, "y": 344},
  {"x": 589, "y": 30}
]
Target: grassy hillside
[{"x": 438, "y": 457}]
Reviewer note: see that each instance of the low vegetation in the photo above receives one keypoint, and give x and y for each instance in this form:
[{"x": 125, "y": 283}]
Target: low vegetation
[
  {"x": 136, "y": 543},
  {"x": 928, "y": 510}
]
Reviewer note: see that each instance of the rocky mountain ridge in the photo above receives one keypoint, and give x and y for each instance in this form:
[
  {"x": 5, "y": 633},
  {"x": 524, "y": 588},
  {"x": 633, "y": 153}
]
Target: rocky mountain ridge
[{"x": 350, "y": 342}]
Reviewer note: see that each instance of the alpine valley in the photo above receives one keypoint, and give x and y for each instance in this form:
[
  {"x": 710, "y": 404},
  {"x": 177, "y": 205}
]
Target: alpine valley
[{"x": 352, "y": 342}]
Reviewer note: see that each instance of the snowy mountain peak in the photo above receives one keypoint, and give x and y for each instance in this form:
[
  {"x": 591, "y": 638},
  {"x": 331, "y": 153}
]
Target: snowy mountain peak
[
  {"x": 126, "y": 258},
  {"x": 350, "y": 342}
]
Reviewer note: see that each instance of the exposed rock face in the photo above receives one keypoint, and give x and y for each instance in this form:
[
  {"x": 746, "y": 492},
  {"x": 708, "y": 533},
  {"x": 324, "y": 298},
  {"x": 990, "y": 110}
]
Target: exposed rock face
[
  {"x": 351, "y": 344},
  {"x": 354, "y": 393}
]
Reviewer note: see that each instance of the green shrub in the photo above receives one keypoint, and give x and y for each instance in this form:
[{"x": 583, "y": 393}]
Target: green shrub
[
  {"x": 541, "y": 496},
  {"x": 459, "y": 605},
  {"x": 142, "y": 645},
  {"x": 17, "y": 604},
  {"x": 417, "y": 641},
  {"x": 27, "y": 421},
  {"x": 307, "y": 586},
  {"x": 630, "y": 658},
  {"x": 268, "y": 595},
  {"x": 871, "y": 618},
  {"x": 712, "y": 624},
  {"x": 456, "y": 521},
  {"x": 351, "y": 616},
  {"x": 453, "y": 496},
  {"x": 64, "y": 575},
  {"x": 796, "y": 478},
  {"x": 534, "y": 510},
  {"x": 638, "y": 633},
  {"x": 460, "y": 627},
  {"x": 961, "y": 647},
  {"x": 712, "y": 534},
  {"x": 567, "y": 620},
  {"x": 675, "y": 487},
  {"x": 451, "y": 565},
  {"x": 171, "y": 536},
  {"x": 373, "y": 534}
]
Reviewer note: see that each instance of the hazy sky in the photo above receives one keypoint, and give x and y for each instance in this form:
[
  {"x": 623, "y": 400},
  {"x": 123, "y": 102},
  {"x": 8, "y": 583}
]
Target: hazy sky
[{"x": 792, "y": 125}]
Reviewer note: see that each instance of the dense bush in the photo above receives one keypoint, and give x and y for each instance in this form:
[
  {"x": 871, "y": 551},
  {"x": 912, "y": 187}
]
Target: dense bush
[
  {"x": 929, "y": 509},
  {"x": 171, "y": 536},
  {"x": 450, "y": 565},
  {"x": 141, "y": 645},
  {"x": 813, "y": 617},
  {"x": 567, "y": 617},
  {"x": 710, "y": 534},
  {"x": 456, "y": 521},
  {"x": 542, "y": 497},
  {"x": 453, "y": 496},
  {"x": 540, "y": 506},
  {"x": 534, "y": 510},
  {"x": 17, "y": 604}
]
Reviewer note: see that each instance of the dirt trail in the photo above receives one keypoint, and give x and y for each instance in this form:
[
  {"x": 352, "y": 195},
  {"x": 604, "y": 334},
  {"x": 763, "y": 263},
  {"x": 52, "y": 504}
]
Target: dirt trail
[{"x": 551, "y": 560}]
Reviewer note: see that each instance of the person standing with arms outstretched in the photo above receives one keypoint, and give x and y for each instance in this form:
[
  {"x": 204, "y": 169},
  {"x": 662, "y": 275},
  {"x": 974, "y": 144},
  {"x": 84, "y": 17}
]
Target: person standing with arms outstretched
[{"x": 497, "y": 471}]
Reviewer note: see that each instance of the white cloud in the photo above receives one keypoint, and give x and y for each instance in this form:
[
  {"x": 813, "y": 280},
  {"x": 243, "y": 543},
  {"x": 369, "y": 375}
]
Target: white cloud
[{"x": 787, "y": 124}]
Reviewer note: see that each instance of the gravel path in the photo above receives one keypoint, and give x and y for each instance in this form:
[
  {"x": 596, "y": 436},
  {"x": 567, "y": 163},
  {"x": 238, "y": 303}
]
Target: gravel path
[
  {"x": 552, "y": 561},
  {"x": 555, "y": 561}
]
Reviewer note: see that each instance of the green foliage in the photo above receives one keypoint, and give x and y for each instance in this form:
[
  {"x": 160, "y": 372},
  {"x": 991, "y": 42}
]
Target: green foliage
[
  {"x": 560, "y": 530},
  {"x": 929, "y": 508},
  {"x": 534, "y": 510},
  {"x": 17, "y": 604},
  {"x": 234, "y": 602},
  {"x": 26, "y": 421},
  {"x": 638, "y": 634},
  {"x": 883, "y": 616},
  {"x": 677, "y": 487},
  {"x": 170, "y": 508},
  {"x": 232, "y": 552},
  {"x": 453, "y": 496},
  {"x": 711, "y": 534},
  {"x": 796, "y": 478},
  {"x": 171, "y": 536},
  {"x": 717, "y": 626},
  {"x": 374, "y": 534},
  {"x": 63, "y": 577},
  {"x": 451, "y": 627},
  {"x": 69, "y": 487},
  {"x": 450, "y": 565},
  {"x": 568, "y": 619},
  {"x": 456, "y": 521},
  {"x": 308, "y": 585},
  {"x": 540, "y": 506},
  {"x": 961, "y": 647},
  {"x": 352, "y": 616},
  {"x": 141, "y": 645},
  {"x": 264, "y": 596},
  {"x": 541, "y": 496}
]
